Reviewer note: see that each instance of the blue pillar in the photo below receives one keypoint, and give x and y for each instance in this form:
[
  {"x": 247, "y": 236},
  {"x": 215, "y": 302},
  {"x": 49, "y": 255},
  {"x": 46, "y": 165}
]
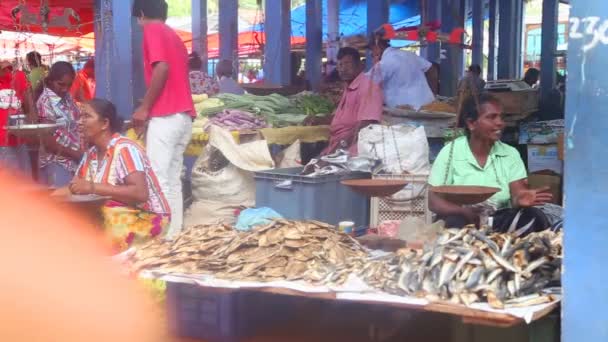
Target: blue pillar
[
  {"x": 377, "y": 15},
  {"x": 277, "y": 63},
  {"x": 314, "y": 42},
  {"x": 549, "y": 48},
  {"x": 431, "y": 12},
  {"x": 519, "y": 26},
  {"x": 229, "y": 31},
  {"x": 584, "y": 313},
  {"x": 118, "y": 65},
  {"x": 509, "y": 42},
  {"x": 477, "y": 57},
  {"x": 492, "y": 35},
  {"x": 452, "y": 16},
  {"x": 199, "y": 30},
  {"x": 333, "y": 33}
]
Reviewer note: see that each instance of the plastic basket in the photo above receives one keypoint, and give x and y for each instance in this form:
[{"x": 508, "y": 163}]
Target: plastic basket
[
  {"x": 305, "y": 198},
  {"x": 223, "y": 315},
  {"x": 412, "y": 201}
]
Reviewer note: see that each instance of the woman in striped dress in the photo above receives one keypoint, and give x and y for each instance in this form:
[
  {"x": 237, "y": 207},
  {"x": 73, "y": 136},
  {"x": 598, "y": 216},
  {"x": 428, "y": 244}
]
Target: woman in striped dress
[{"x": 117, "y": 167}]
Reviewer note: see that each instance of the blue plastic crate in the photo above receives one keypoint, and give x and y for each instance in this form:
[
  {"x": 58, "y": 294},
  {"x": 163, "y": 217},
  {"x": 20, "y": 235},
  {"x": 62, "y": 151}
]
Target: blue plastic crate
[
  {"x": 223, "y": 316},
  {"x": 321, "y": 198}
]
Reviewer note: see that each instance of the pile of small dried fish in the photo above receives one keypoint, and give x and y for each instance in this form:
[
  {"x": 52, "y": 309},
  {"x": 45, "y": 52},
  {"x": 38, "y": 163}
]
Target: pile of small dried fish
[
  {"x": 283, "y": 250},
  {"x": 467, "y": 266}
]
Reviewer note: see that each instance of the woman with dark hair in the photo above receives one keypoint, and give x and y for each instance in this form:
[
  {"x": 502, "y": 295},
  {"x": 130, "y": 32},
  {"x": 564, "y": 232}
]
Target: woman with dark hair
[
  {"x": 63, "y": 149},
  {"x": 200, "y": 82},
  {"x": 224, "y": 72},
  {"x": 38, "y": 71},
  {"x": 481, "y": 159},
  {"x": 118, "y": 167}
]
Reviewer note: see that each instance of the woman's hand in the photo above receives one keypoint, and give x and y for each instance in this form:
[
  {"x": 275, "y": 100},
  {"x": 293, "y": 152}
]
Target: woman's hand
[
  {"x": 79, "y": 186},
  {"x": 534, "y": 197}
]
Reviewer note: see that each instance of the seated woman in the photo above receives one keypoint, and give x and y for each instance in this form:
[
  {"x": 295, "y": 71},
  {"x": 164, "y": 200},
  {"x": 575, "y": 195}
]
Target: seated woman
[
  {"x": 480, "y": 158},
  {"x": 117, "y": 167},
  {"x": 62, "y": 150}
]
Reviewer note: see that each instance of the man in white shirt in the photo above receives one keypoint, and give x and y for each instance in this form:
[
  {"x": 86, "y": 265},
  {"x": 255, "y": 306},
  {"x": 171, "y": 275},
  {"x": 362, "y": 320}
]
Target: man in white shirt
[{"x": 402, "y": 74}]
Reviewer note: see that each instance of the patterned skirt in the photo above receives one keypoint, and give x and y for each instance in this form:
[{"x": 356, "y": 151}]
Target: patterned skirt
[{"x": 127, "y": 226}]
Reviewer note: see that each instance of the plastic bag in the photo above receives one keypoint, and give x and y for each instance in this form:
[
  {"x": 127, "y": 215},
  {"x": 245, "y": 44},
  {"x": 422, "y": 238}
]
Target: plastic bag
[{"x": 250, "y": 218}]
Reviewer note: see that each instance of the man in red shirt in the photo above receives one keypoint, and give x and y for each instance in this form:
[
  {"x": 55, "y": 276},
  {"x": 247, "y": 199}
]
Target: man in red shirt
[
  {"x": 15, "y": 98},
  {"x": 167, "y": 107}
]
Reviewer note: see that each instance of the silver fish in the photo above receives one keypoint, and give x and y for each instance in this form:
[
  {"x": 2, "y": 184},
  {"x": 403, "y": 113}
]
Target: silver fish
[
  {"x": 506, "y": 246},
  {"x": 534, "y": 265},
  {"x": 446, "y": 272},
  {"x": 455, "y": 237},
  {"x": 483, "y": 238},
  {"x": 461, "y": 264},
  {"x": 474, "y": 278},
  {"x": 493, "y": 275},
  {"x": 513, "y": 225},
  {"x": 504, "y": 263},
  {"x": 524, "y": 229}
]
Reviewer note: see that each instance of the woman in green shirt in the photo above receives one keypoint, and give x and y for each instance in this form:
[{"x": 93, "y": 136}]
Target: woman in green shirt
[
  {"x": 480, "y": 158},
  {"x": 38, "y": 71}
]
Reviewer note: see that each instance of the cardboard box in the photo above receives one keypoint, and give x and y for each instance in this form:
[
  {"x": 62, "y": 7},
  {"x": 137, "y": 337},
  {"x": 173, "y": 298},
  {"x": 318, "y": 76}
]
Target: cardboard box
[
  {"x": 552, "y": 181},
  {"x": 543, "y": 158}
]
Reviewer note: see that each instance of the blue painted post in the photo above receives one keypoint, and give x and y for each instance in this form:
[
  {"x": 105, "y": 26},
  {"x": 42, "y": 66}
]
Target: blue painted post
[
  {"x": 492, "y": 34},
  {"x": 452, "y": 16},
  {"x": 518, "y": 22},
  {"x": 333, "y": 34},
  {"x": 199, "y": 30},
  {"x": 509, "y": 42},
  {"x": 549, "y": 48},
  {"x": 584, "y": 313},
  {"x": 431, "y": 12},
  {"x": 477, "y": 57},
  {"x": 229, "y": 31},
  {"x": 277, "y": 62},
  {"x": 377, "y": 15},
  {"x": 118, "y": 65},
  {"x": 314, "y": 42}
]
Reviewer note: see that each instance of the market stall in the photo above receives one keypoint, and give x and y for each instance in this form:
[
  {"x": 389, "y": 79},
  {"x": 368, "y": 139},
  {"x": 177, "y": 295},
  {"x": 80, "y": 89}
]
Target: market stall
[{"x": 489, "y": 279}]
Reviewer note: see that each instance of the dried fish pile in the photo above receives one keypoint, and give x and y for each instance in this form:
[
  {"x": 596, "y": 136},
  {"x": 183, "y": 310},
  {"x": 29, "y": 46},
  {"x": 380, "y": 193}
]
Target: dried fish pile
[
  {"x": 283, "y": 250},
  {"x": 467, "y": 266}
]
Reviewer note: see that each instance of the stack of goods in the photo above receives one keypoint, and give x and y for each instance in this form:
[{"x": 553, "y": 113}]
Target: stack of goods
[
  {"x": 282, "y": 250},
  {"x": 203, "y": 102},
  {"x": 237, "y": 120},
  {"x": 277, "y": 110},
  {"x": 468, "y": 266}
]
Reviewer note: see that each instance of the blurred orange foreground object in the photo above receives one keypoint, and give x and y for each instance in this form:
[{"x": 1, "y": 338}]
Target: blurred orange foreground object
[{"x": 58, "y": 284}]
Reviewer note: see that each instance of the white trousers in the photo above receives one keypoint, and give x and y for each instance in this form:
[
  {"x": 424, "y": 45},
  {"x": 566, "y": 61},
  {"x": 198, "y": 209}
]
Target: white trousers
[{"x": 166, "y": 141}]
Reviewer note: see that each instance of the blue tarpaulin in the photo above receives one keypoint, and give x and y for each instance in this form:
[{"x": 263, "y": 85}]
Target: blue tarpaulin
[{"x": 353, "y": 17}]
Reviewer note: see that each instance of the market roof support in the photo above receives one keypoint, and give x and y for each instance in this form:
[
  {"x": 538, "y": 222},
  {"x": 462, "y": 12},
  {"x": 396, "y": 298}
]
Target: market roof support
[
  {"x": 314, "y": 42},
  {"x": 377, "y": 15},
  {"x": 229, "y": 29},
  {"x": 430, "y": 13},
  {"x": 277, "y": 61},
  {"x": 548, "y": 48},
  {"x": 118, "y": 67},
  {"x": 584, "y": 313},
  {"x": 492, "y": 33},
  {"x": 509, "y": 46},
  {"x": 519, "y": 26},
  {"x": 199, "y": 30},
  {"x": 333, "y": 34},
  {"x": 477, "y": 57},
  {"x": 452, "y": 16}
]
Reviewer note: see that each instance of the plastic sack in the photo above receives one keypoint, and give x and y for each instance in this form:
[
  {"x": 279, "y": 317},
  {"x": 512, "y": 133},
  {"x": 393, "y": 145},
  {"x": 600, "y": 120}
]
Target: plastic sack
[
  {"x": 402, "y": 149},
  {"x": 250, "y": 218}
]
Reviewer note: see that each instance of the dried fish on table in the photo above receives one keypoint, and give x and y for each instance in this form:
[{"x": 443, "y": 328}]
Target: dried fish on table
[
  {"x": 471, "y": 265},
  {"x": 288, "y": 250}
]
